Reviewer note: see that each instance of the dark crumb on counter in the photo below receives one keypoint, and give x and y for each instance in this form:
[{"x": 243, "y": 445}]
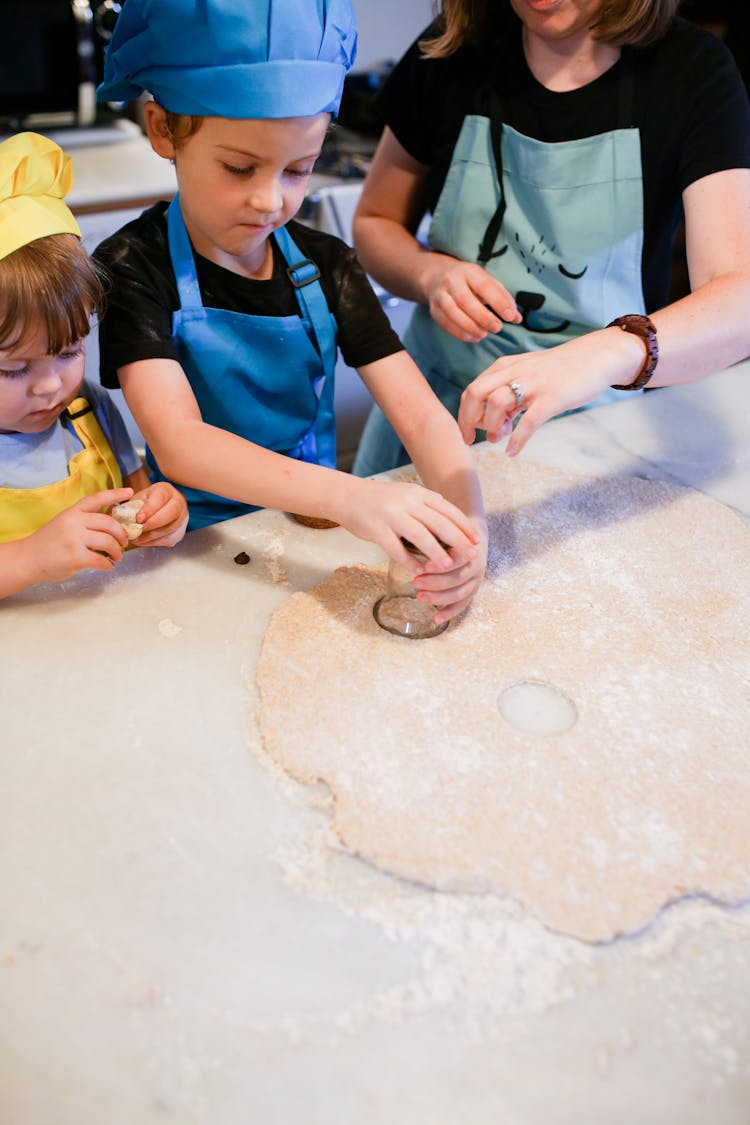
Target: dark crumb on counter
[{"x": 242, "y": 559}]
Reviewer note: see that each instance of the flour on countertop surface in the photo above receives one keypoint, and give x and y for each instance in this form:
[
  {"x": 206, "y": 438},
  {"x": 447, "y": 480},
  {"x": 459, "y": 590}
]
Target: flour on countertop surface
[
  {"x": 484, "y": 963},
  {"x": 168, "y": 628}
]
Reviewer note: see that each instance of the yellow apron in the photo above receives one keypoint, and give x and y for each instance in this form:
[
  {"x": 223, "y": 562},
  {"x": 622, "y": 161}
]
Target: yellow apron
[{"x": 24, "y": 510}]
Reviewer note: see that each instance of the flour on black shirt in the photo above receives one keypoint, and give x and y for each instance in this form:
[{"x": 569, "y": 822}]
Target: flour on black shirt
[
  {"x": 137, "y": 324},
  {"x": 689, "y": 105}
]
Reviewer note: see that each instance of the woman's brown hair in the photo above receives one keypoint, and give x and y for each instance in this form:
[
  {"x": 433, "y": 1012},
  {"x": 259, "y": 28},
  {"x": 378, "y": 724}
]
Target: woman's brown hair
[
  {"x": 620, "y": 22},
  {"x": 52, "y": 285}
]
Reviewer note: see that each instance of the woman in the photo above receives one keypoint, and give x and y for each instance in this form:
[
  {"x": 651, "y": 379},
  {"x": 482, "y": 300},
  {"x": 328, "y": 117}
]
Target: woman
[{"x": 556, "y": 143}]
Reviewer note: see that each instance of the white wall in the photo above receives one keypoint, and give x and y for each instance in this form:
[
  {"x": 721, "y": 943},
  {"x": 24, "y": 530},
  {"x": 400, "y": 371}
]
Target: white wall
[{"x": 387, "y": 27}]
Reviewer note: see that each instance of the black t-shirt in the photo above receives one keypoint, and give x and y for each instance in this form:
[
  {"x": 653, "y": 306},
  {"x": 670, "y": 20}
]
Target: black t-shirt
[
  {"x": 137, "y": 323},
  {"x": 688, "y": 102}
]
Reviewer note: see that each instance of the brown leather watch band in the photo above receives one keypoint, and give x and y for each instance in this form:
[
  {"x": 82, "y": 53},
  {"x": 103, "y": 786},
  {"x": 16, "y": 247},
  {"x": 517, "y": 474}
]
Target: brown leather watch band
[{"x": 643, "y": 327}]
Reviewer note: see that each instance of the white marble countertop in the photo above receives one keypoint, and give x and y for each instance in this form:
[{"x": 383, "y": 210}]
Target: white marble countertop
[{"x": 178, "y": 944}]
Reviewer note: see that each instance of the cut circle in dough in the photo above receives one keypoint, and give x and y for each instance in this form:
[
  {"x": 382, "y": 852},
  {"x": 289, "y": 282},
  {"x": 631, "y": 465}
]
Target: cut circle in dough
[{"x": 629, "y": 598}]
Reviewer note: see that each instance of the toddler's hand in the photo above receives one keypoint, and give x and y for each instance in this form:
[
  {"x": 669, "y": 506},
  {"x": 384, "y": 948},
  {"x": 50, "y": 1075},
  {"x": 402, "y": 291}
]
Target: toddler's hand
[
  {"x": 80, "y": 538},
  {"x": 164, "y": 515}
]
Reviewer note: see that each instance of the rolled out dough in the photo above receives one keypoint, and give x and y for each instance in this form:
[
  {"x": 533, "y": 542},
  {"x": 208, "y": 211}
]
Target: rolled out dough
[{"x": 630, "y": 597}]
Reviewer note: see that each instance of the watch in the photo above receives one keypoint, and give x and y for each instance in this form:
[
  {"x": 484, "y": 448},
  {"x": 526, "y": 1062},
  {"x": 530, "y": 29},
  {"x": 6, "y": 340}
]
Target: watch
[{"x": 643, "y": 327}]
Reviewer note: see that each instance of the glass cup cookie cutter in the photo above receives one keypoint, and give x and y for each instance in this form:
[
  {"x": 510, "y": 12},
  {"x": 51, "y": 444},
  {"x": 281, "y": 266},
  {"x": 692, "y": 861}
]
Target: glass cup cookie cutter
[{"x": 399, "y": 610}]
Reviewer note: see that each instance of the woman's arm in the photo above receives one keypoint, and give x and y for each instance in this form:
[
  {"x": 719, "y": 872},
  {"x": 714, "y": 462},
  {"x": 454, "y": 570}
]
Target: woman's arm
[
  {"x": 389, "y": 211},
  {"x": 710, "y": 328},
  {"x": 698, "y": 335}
]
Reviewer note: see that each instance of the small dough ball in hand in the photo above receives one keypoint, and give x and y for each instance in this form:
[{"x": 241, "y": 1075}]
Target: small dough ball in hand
[{"x": 125, "y": 514}]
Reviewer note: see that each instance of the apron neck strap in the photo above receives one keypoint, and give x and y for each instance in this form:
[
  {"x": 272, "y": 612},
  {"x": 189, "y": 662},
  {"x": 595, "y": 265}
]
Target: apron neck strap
[
  {"x": 625, "y": 89},
  {"x": 305, "y": 277},
  {"x": 303, "y": 274},
  {"x": 495, "y": 116},
  {"x": 491, "y": 104},
  {"x": 183, "y": 262}
]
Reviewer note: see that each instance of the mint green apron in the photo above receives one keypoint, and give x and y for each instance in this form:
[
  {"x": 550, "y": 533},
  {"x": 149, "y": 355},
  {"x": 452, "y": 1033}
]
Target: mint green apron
[{"x": 560, "y": 225}]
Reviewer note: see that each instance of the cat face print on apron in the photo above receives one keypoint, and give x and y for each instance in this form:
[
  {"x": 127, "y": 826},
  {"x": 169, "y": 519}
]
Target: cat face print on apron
[
  {"x": 559, "y": 225},
  {"x": 265, "y": 378}
]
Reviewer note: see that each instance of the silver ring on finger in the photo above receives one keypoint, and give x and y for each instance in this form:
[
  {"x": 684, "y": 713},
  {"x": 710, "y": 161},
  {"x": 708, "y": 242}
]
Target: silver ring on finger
[{"x": 518, "y": 393}]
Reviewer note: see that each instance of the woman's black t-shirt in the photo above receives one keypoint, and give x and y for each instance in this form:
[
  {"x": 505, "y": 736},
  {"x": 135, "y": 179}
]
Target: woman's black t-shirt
[{"x": 689, "y": 104}]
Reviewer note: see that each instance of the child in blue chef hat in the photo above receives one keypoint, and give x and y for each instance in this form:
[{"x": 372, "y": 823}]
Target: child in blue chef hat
[{"x": 225, "y": 315}]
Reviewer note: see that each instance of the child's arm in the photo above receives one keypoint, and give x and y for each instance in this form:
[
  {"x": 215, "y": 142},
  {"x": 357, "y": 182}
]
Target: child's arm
[
  {"x": 193, "y": 453},
  {"x": 80, "y": 538},
  {"x": 433, "y": 441},
  {"x": 164, "y": 514}
]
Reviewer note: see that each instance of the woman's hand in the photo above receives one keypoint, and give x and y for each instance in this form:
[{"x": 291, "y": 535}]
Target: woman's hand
[
  {"x": 552, "y": 381},
  {"x": 385, "y": 512},
  {"x": 465, "y": 300},
  {"x": 164, "y": 515}
]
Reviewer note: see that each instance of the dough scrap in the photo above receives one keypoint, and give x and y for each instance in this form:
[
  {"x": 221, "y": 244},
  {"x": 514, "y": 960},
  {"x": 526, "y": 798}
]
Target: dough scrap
[
  {"x": 632, "y": 598},
  {"x": 125, "y": 514},
  {"x": 317, "y": 522}
]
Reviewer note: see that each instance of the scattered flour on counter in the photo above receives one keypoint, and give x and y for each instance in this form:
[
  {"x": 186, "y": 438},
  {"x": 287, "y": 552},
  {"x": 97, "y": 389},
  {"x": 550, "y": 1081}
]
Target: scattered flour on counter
[
  {"x": 273, "y": 552},
  {"x": 272, "y": 555},
  {"x": 167, "y": 627},
  {"x": 480, "y": 955},
  {"x": 483, "y": 959}
]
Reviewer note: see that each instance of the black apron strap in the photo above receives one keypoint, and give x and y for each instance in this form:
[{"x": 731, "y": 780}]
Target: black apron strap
[
  {"x": 486, "y": 249},
  {"x": 625, "y": 90},
  {"x": 492, "y": 108}
]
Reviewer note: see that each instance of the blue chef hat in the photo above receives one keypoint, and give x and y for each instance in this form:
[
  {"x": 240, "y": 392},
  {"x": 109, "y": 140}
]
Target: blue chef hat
[{"x": 232, "y": 58}]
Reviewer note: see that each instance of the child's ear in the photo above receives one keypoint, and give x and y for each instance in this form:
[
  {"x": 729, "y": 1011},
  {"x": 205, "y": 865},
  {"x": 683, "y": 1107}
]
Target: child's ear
[{"x": 155, "y": 120}]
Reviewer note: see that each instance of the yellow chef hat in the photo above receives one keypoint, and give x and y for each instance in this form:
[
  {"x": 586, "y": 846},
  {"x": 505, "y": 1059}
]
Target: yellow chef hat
[{"x": 35, "y": 176}]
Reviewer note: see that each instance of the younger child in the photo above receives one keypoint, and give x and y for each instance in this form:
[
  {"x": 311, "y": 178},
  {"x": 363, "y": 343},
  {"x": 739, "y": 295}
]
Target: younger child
[
  {"x": 65, "y": 454},
  {"x": 225, "y": 315}
]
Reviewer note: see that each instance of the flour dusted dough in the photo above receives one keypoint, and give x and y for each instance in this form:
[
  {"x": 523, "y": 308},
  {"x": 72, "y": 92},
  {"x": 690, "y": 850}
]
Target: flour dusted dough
[{"x": 631, "y": 597}]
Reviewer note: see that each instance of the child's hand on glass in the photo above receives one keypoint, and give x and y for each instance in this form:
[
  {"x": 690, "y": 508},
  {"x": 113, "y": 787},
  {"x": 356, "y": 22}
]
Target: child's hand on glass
[
  {"x": 387, "y": 512},
  {"x": 452, "y": 590}
]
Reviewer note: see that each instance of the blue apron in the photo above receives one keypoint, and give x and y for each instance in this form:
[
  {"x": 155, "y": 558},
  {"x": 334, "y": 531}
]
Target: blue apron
[
  {"x": 268, "y": 379},
  {"x": 560, "y": 225}
]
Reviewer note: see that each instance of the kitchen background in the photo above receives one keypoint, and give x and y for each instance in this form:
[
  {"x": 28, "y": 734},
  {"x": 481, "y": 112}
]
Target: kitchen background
[
  {"x": 117, "y": 174},
  {"x": 386, "y": 27}
]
